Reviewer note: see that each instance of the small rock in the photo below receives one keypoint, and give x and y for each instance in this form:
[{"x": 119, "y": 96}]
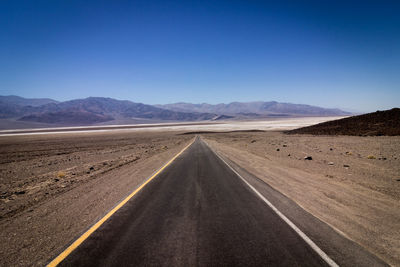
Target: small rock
[
  {"x": 277, "y": 149},
  {"x": 284, "y": 145},
  {"x": 20, "y": 192},
  {"x": 308, "y": 158},
  {"x": 330, "y": 163},
  {"x": 330, "y": 149},
  {"x": 56, "y": 180},
  {"x": 346, "y": 166},
  {"x": 253, "y": 141},
  {"x": 288, "y": 155},
  {"x": 91, "y": 168}
]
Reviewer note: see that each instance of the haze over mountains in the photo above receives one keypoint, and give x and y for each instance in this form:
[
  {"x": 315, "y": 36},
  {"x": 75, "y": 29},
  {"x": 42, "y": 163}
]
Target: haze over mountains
[
  {"x": 258, "y": 108},
  {"x": 15, "y": 110}
]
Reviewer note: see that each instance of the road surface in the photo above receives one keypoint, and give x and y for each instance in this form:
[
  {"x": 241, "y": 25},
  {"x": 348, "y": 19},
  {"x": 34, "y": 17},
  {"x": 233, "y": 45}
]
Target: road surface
[{"x": 198, "y": 212}]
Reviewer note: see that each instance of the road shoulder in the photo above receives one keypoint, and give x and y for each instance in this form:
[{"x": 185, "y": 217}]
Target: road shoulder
[
  {"x": 331, "y": 240},
  {"x": 35, "y": 236}
]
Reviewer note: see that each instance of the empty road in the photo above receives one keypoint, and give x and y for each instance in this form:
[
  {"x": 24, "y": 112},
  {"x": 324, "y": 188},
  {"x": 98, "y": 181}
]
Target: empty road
[{"x": 197, "y": 212}]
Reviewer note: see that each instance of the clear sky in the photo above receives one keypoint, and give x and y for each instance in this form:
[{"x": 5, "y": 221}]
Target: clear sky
[{"x": 342, "y": 54}]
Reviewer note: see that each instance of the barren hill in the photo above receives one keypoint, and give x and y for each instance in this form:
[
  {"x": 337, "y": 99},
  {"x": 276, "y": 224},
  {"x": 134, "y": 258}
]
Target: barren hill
[{"x": 377, "y": 123}]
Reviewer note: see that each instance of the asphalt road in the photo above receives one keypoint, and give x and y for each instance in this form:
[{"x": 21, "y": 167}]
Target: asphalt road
[{"x": 197, "y": 212}]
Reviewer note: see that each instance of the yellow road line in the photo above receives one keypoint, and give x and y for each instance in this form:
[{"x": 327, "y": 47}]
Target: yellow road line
[{"x": 83, "y": 237}]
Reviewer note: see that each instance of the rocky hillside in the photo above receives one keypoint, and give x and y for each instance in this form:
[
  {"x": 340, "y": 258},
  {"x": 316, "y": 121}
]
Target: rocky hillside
[{"x": 377, "y": 123}]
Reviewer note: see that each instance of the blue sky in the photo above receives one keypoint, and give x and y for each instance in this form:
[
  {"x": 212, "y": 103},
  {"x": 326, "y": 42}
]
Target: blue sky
[{"x": 342, "y": 54}]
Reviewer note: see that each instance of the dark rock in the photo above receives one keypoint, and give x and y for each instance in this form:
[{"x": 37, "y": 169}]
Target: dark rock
[
  {"x": 308, "y": 158},
  {"x": 20, "y": 192},
  {"x": 346, "y": 166},
  {"x": 91, "y": 168},
  {"x": 284, "y": 145},
  {"x": 56, "y": 180},
  {"x": 277, "y": 149}
]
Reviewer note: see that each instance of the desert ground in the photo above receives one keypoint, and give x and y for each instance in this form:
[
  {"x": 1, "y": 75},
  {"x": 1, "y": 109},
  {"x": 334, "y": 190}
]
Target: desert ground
[
  {"x": 54, "y": 186},
  {"x": 270, "y": 124},
  {"x": 352, "y": 183}
]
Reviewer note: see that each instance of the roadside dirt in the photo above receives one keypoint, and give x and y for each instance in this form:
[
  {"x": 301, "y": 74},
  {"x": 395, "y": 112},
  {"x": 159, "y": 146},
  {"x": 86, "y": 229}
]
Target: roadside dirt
[
  {"x": 53, "y": 187},
  {"x": 351, "y": 183}
]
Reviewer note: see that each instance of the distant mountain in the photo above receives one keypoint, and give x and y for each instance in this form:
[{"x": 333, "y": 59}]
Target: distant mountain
[
  {"x": 255, "y": 108},
  {"x": 14, "y": 106},
  {"x": 88, "y": 111},
  {"x": 377, "y": 123},
  {"x": 93, "y": 110},
  {"x": 68, "y": 117},
  {"x": 128, "y": 109},
  {"x": 20, "y": 101}
]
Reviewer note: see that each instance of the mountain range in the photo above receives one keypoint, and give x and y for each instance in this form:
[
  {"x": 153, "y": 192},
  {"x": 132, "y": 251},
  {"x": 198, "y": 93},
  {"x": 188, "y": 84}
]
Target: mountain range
[
  {"x": 95, "y": 110},
  {"x": 255, "y": 109}
]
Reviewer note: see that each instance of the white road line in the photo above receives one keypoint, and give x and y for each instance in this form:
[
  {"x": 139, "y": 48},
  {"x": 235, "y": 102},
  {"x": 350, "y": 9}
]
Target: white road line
[{"x": 319, "y": 251}]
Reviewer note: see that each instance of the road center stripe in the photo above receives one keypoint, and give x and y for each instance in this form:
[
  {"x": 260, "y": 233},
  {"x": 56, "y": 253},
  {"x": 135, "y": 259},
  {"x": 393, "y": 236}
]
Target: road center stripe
[{"x": 83, "y": 237}]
